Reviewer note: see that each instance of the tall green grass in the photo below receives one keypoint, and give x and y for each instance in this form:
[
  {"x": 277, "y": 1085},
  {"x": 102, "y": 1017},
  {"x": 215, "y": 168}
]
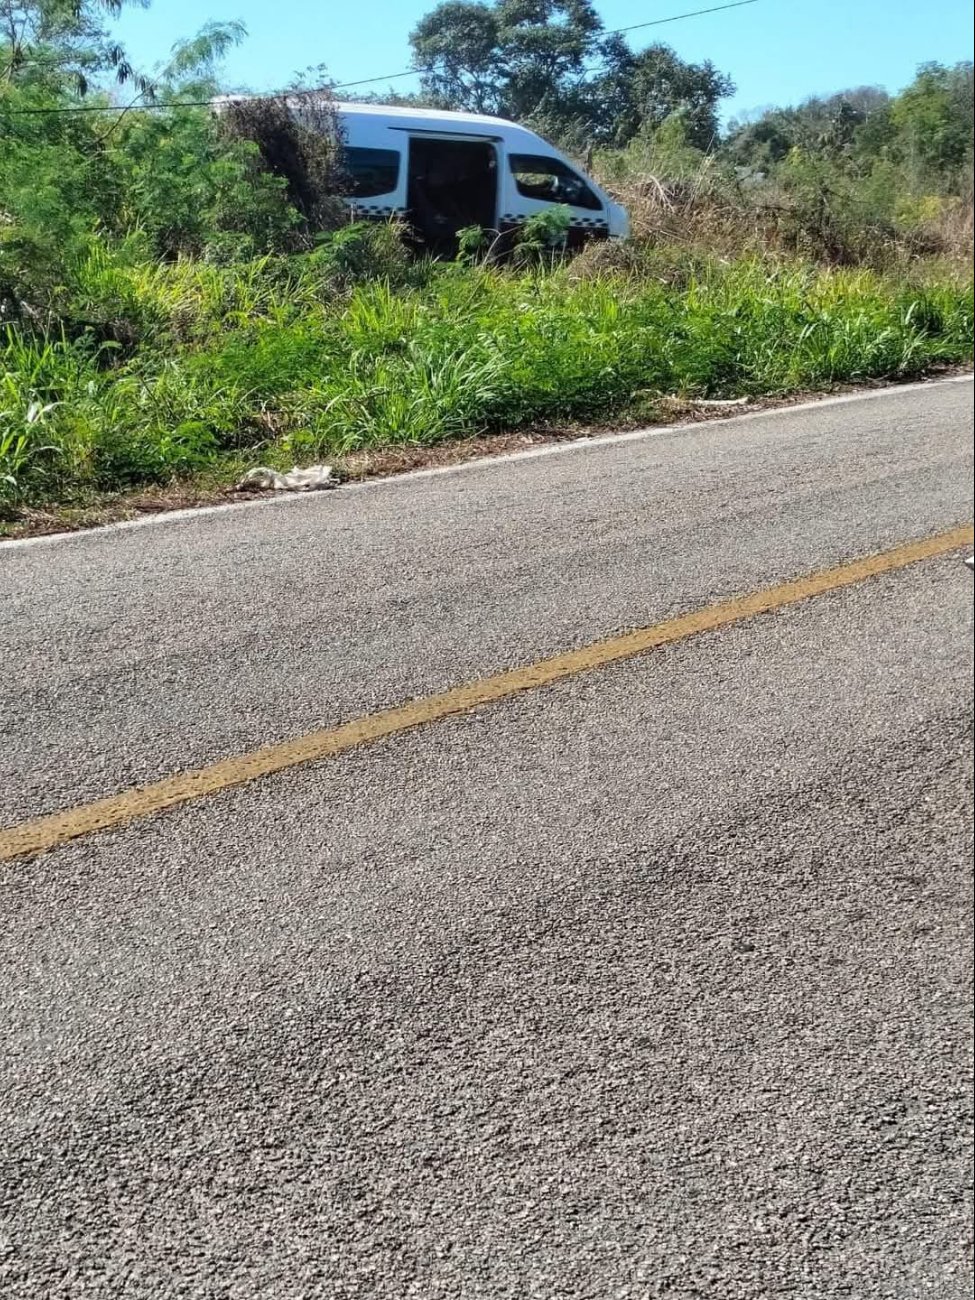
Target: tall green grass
[{"x": 284, "y": 359}]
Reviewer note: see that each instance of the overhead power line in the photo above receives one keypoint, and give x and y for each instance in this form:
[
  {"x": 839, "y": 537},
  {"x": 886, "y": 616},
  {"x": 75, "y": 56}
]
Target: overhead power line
[
  {"x": 659, "y": 22},
  {"x": 342, "y": 85}
]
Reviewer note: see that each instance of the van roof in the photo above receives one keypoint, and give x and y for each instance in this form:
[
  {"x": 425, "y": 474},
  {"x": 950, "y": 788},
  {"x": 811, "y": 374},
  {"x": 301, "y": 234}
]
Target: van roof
[
  {"x": 421, "y": 114},
  {"x": 420, "y": 118}
]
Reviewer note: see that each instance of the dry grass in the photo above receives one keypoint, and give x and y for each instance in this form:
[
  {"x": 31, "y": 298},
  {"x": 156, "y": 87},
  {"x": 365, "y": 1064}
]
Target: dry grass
[{"x": 709, "y": 211}]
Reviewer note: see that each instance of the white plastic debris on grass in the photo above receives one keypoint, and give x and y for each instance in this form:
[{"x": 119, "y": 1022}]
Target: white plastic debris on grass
[
  {"x": 311, "y": 479},
  {"x": 717, "y": 403}
]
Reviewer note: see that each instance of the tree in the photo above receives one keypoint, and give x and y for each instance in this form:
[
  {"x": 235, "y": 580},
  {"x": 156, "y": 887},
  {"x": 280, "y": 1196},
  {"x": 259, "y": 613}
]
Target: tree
[
  {"x": 639, "y": 92},
  {"x": 933, "y": 117},
  {"x": 168, "y": 179},
  {"x": 512, "y": 58},
  {"x": 919, "y": 142},
  {"x": 850, "y": 126},
  {"x": 763, "y": 143},
  {"x": 534, "y": 60},
  {"x": 65, "y": 173},
  {"x": 64, "y": 38},
  {"x": 456, "y": 49}
]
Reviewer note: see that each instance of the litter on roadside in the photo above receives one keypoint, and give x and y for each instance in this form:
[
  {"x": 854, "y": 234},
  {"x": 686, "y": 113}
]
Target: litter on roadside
[{"x": 314, "y": 478}]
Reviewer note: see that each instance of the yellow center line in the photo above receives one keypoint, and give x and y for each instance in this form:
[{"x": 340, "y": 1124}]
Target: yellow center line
[{"x": 44, "y": 833}]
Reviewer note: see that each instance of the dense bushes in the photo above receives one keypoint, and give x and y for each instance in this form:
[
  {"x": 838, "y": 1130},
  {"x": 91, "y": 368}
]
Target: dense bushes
[{"x": 861, "y": 177}]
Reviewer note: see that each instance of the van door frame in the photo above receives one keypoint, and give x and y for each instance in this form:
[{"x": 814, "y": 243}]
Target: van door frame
[{"x": 458, "y": 137}]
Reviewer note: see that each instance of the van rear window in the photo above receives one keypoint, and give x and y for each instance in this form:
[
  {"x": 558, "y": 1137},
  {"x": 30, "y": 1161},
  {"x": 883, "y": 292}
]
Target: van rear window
[
  {"x": 371, "y": 171},
  {"x": 551, "y": 181}
]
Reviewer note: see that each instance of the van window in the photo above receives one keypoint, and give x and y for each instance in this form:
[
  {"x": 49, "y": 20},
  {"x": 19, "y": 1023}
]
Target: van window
[
  {"x": 550, "y": 180},
  {"x": 371, "y": 171}
]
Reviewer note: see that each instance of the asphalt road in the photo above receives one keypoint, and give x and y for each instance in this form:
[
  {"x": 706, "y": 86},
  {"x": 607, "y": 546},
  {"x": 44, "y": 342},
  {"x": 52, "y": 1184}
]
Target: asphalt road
[{"x": 657, "y": 982}]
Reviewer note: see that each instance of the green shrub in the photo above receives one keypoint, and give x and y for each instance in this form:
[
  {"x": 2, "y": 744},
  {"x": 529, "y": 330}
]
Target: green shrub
[{"x": 363, "y": 250}]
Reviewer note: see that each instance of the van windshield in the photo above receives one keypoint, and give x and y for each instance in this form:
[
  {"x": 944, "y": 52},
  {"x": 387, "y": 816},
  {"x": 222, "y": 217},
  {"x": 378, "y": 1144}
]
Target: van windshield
[{"x": 551, "y": 181}]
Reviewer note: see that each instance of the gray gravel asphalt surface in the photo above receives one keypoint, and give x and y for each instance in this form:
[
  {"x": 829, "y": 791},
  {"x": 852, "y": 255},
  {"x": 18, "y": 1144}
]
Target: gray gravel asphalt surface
[
  {"x": 211, "y": 634},
  {"x": 657, "y": 982}
]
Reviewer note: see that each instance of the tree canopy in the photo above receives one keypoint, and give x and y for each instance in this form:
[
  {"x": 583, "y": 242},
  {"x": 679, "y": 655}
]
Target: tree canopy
[{"x": 551, "y": 62}]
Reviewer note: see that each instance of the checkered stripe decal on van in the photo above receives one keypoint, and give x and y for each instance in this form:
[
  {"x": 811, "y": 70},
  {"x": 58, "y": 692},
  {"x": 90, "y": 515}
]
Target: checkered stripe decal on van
[
  {"x": 509, "y": 218},
  {"x": 377, "y": 210},
  {"x": 577, "y": 223}
]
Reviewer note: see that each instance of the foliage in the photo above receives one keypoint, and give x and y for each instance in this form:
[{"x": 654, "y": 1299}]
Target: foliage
[
  {"x": 639, "y": 93},
  {"x": 933, "y": 118},
  {"x": 505, "y": 57},
  {"x": 188, "y": 182},
  {"x": 364, "y": 251},
  {"x": 274, "y": 355},
  {"x": 473, "y": 242},
  {"x": 542, "y": 236},
  {"x": 860, "y": 176},
  {"x": 66, "y": 40},
  {"x": 924, "y": 134},
  {"x": 530, "y": 61},
  {"x": 299, "y": 142}
]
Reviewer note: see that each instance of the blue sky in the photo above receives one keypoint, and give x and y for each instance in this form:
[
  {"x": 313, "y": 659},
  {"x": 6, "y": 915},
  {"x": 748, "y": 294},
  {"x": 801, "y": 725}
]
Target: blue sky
[{"x": 777, "y": 51}]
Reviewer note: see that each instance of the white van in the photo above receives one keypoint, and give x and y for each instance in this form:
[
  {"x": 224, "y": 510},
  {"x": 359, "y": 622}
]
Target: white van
[
  {"x": 444, "y": 171},
  {"x": 441, "y": 171}
]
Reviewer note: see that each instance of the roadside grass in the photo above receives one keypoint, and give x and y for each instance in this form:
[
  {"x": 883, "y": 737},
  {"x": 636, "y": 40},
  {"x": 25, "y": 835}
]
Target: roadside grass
[{"x": 195, "y": 370}]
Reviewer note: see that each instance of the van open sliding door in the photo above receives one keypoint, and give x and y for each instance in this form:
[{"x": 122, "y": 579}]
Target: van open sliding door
[{"x": 451, "y": 184}]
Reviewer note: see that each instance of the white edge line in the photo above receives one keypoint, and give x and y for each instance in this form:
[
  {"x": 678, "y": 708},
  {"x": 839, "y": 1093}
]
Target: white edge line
[{"x": 188, "y": 513}]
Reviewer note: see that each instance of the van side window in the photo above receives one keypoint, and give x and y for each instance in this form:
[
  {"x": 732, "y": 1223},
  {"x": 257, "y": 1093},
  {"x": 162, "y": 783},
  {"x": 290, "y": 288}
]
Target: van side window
[
  {"x": 371, "y": 171},
  {"x": 550, "y": 180}
]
